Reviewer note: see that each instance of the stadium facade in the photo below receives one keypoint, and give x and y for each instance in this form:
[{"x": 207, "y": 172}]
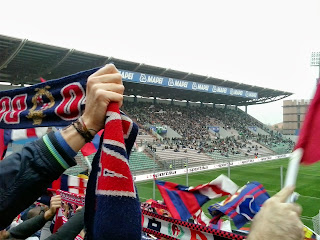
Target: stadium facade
[{"x": 293, "y": 115}]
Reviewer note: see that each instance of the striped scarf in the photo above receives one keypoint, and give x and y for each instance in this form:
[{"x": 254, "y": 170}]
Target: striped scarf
[{"x": 112, "y": 209}]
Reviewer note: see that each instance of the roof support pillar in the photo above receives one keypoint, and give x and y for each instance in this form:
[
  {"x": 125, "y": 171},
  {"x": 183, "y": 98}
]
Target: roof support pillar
[{"x": 11, "y": 57}]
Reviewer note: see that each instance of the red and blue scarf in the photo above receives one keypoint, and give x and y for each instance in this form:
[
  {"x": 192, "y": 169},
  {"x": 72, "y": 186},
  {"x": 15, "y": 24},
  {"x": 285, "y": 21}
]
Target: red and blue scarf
[
  {"x": 112, "y": 204},
  {"x": 112, "y": 209}
]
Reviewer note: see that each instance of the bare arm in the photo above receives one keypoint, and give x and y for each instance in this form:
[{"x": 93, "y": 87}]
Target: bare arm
[{"x": 103, "y": 87}]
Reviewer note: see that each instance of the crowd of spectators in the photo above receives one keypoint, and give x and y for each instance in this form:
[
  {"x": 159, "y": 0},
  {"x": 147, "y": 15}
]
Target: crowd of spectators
[
  {"x": 275, "y": 140},
  {"x": 192, "y": 124}
]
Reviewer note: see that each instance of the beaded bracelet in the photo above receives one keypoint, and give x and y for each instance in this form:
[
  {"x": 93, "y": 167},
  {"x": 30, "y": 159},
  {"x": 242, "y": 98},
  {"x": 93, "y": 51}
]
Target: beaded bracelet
[{"x": 82, "y": 130}]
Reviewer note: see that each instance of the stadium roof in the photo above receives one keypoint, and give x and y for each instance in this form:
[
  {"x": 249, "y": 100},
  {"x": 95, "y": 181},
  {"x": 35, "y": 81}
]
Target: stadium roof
[{"x": 24, "y": 62}]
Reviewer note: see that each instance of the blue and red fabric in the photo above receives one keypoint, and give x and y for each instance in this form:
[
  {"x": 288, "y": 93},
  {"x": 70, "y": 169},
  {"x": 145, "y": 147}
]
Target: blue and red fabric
[
  {"x": 93, "y": 146},
  {"x": 71, "y": 184},
  {"x": 242, "y": 206},
  {"x": 111, "y": 191},
  {"x": 183, "y": 202},
  {"x": 19, "y": 136}
]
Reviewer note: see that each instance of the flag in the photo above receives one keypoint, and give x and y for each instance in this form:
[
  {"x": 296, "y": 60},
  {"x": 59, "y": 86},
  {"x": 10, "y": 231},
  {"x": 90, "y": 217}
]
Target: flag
[
  {"x": 42, "y": 79},
  {"x": 22, "y": 136},
  {"x": 200, "y": 218},
  {"x": 93, "y": 146},
  {"x": 71, "y": 184},
  {"x": 58, "y": 220},
  {"x": 224, "y": 225},
  {"x": 183, "y": 202},
  {"x": 160, "y": 209},
  {"x": 19, "y": 136},
  {"x": 242, "y": 206},
  {"x": 309, "y": 136}
]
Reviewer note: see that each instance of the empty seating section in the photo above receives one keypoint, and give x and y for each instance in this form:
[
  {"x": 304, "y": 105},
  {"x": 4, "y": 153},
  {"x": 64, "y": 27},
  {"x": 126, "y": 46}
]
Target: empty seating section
[
  {"x": 281, "y": 148},
  {"x": 140, "y": 162}
]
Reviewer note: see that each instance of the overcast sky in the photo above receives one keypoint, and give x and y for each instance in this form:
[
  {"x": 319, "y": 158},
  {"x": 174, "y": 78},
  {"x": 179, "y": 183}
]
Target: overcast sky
[{"x": 263, "y": 43}]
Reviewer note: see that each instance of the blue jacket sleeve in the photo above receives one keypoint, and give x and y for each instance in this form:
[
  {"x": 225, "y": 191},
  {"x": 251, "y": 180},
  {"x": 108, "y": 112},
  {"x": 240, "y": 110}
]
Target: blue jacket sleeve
[{"x": 25, "y": 175}]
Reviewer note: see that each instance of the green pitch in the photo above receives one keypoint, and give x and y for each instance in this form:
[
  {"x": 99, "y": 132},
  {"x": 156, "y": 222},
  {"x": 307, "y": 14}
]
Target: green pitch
[{"x": 267, "y": 173}]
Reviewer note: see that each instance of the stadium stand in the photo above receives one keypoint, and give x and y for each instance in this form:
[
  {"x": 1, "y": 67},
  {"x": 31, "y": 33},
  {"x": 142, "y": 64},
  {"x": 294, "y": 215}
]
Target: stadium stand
[
  {"x": 197, "y": 145},
  {"x": 187, "y": 127}
]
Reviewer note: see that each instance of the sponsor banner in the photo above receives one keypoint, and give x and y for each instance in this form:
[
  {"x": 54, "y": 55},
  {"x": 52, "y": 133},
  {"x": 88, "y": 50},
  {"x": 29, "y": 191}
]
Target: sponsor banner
[
  {"x": 143, "y": 78},
  {"x": 177, "y": 229},
  {"x": 145, "y": 177},
  {"x": 196, "y": 169},
  {"x": 214, "y": 129},
  {"x": 252, "y": 128}
]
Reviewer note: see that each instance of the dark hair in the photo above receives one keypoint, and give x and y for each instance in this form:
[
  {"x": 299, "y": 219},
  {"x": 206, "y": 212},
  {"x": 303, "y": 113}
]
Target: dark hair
[{"x": 35, "y": 212}]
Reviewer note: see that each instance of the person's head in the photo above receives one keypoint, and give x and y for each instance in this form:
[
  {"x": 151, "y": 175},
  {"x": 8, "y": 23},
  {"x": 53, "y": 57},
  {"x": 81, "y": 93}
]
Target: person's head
[{"x": 35, "y": 212}]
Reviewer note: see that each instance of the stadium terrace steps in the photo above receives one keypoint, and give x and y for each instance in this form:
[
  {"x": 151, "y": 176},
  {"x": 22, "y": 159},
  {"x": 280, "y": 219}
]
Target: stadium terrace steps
[
  {"x": 261, "y": 131},
  {"x": 217, "y": 156},
  {"x": 281, "y": 148},
  {"x": 223, "y": 132},
  {"x": 145, "y": 138},
  {"x": 194, "y": 158},
  {"x": 263, "y": 151}
]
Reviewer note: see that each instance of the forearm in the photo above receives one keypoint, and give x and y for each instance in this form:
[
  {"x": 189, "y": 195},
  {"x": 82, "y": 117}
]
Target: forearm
[
  {"x": 27, "y": 174},
  {"x": 73, "y": 138},
  {"x": 70, "y": 229},
  {"x": 28, "y": 227}
]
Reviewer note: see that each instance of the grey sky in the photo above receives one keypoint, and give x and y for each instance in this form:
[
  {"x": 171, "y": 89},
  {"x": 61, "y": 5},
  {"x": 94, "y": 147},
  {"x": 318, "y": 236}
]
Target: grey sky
[{"x": 264, "y": 43}]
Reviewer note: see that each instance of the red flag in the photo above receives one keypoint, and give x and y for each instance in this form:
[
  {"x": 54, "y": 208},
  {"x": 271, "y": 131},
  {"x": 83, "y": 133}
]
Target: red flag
[
  {"x": 70, "y": 184},
  {"x": 42, "y": 79},
  {"x": 183, "y": 202},
  {"x": 200, "y": 218},
  {"x": 309, "y": 137},
  {"x": 25, "y": 135},
  {"x": 59, "y": 220}
]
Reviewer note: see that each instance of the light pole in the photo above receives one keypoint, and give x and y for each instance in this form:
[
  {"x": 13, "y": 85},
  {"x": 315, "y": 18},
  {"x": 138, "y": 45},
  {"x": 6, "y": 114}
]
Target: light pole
[
  {"x": 154, "y": 177},
  {"x": 315, "y": 61}
]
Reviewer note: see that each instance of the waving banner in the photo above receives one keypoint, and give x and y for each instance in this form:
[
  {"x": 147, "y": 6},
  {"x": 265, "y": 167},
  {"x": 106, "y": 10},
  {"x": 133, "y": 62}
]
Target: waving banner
[
  {"x": 51, "y": 103},
  {"x": 176, "y": 229}
]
